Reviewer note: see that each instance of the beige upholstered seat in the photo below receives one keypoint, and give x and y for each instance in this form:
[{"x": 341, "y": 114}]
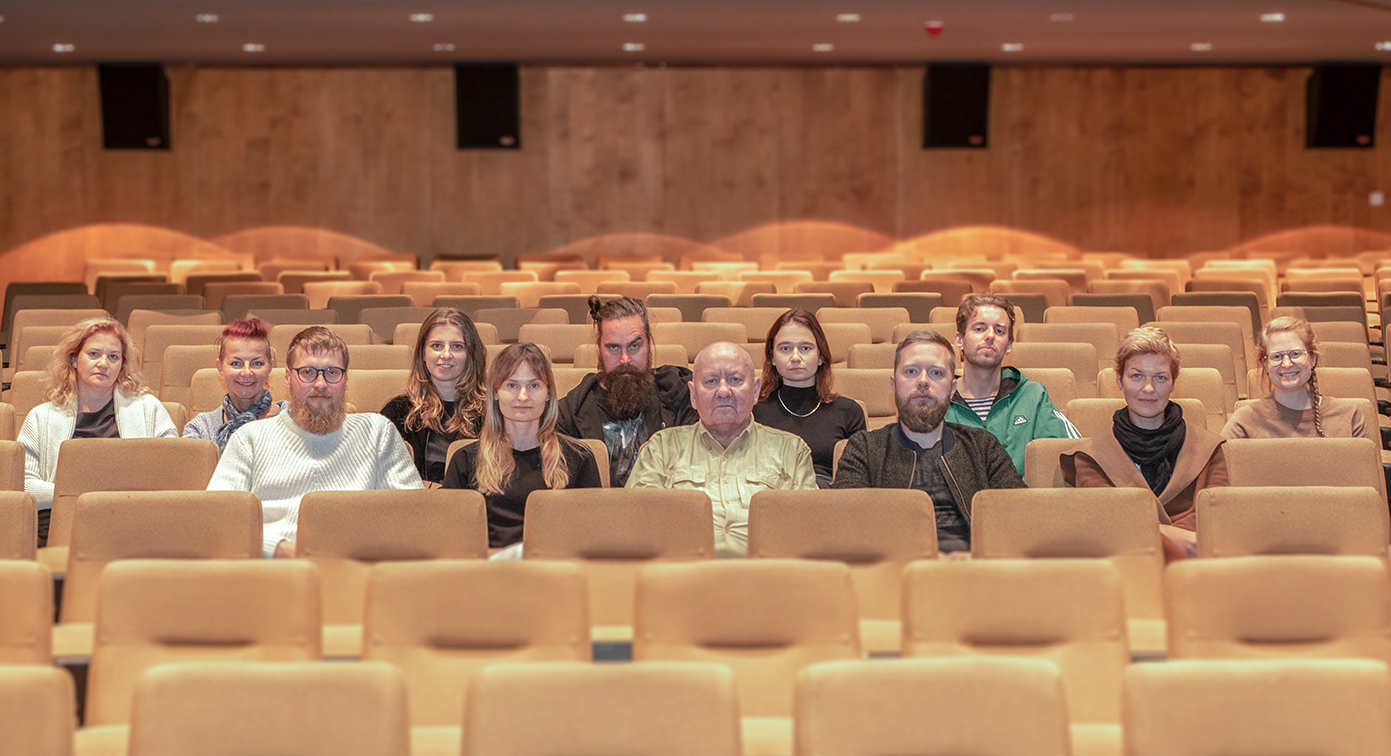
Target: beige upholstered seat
[
  {"x": 370, "y": 390},
  {"x": 844, "y": 292},
  {"x": 1202, "y": 383},
  {"x": 691, "y": 307},
  {"x": 141, "y": 320},
  {"x": 159, "y": 337},
  {"x": 1120, "y": 525},
  {"x": 881, "y": 320},
  {"x": 882, "y": 281},
  {"x": 686, "y": 280},
  {"x": 320, "y": 287},
  {"x": 640, "y": 290},
  {"x": 18, "y": 517},
  {"x": 345, "y": 533},
  {"x": 1292, "y": 520},
  {"x": 653, "y": 708},
  {"x": 181, "y": 361},
  {"x": 1103, "y": 336},
  {"x": 872, "y": 387},
  {"x": 1092, "y": 417},
  {"x": 229, "y": 709},
  {"x": 933, "y": 707},
  {"x": 696, "y": 336},
  {"x": 1279, "y": 606},
  {"x": 1124, "y": 319},
  {"x": 351, "y": 333},
  {"x": 26, "y": 595},
  {"x": 841, "y": 336},
  {"x": 423, "y": 293},
  {"x": 766, "y": 619},
  {"x": 1069, "y": 611},
  {"x": 9, "y": 431},
  {"x": 514, "y": 612},
  {"x": 27, "y": 391},
  {"x": 611, "y": 534},
  {"x": 529, "y": 293},
  {"x": 1079, "y": 358},
  {"x": 1057, "y": 291},
  {"x": 784, "y": 280},
  {"x": 1332, "y": 707},
  {"x": 393, "y": 280},
  {"x": 877, "y": 532},
  {"x": 756, "y": 320},
  {"x": 36, "y": 710},
  {"x": 1304, "y": 462}
]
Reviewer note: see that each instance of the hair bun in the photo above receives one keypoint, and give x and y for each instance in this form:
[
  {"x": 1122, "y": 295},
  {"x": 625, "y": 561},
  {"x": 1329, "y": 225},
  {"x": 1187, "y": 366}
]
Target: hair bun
[{"x": 594, "y": 304}]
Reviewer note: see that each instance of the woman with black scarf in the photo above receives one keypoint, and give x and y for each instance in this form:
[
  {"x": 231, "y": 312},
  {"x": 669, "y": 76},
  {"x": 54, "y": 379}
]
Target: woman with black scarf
[{"x": 1151, "y": 445}]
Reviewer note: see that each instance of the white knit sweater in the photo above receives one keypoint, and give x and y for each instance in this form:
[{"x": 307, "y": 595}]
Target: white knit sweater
[{"x": 281, "y": 462}]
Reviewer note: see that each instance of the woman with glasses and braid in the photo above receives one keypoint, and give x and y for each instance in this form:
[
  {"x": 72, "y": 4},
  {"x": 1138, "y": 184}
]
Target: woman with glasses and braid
[{"x": 1289, "y": 352}]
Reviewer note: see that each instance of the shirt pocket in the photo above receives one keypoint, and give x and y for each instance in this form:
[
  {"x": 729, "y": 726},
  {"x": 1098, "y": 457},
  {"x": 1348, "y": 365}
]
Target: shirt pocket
[
  {"x": 688, "y": 479},
  {"x": 765, "y": 479}
]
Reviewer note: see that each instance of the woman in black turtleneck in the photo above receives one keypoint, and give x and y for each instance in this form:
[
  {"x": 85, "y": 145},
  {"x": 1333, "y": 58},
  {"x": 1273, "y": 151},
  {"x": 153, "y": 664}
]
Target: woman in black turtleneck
[{"x": 798, "y": 390}]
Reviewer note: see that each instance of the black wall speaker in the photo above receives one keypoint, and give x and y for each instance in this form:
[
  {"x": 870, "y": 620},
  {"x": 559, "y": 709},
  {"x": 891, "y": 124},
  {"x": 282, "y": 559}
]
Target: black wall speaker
[
  {"x": 134, "y": 106},
  {"x": 956, "y": 105},
  {"x": 1341, "y": 104},
  {"x": 487, "y": 104}
]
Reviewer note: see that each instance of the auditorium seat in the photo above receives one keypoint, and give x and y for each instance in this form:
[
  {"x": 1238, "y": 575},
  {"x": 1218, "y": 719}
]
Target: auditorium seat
[
  {"x": 1157, "y": 291},
  {"x": 141, "y": 320},
  {"x": 26, "y": 614},
  {"x": 546, "y": 266},
  {"x": 271, "y": 269},
  {"x": 121, "y": 464},
  {"x": 16, "y": 289},
  {"x": 881, "y": 320},
  {"x": 226, "y": 283},
  {"x": 1068, "y": 611},
  {"x": 1217, "y": 357},
  {"x": 384, "y": 320},
  {"x": 423, "y": 293},
  {"x": 560, "y": 337},
  {"x": 1170, "y": 278},
  {"x": 370, "y": 390},
  {"x": 874, "y": 388},
  {"x": 1095, "y": 416},
  {"x": 514, "y": 612},
  {"x": 30, "y": 338},
  {"x": 882, "y": 280},
  {"x": 636, "y": 268},
  {"x": 110, "y": 286},
  {"x": 111, "y": 525},
  {"x": 27, "y": 391},
  {"x": 1141, "y": 304},
  {"x": 1101, "y": 335},
  {"x": 1304, "y": 462},
  {"x": 37, "y": 357},
  {"x": 510, "y": 321},
  {"x": 1060, "y": 383},
  {"x": 296, "y": 280},
  {"x": 639, "y": 290},
  {"x": 1292, "y": 520},
  {"x": 918, "y": 305},
  {"x": 932, "y": 707},
  {"x": 869, "y": 356},
  {"x": 1079, "y": 358},
  {"x": 381, "y": 357},
  {"x": 321, "y": 292},
  {"x": 302, "y": 318},
  {"x": 393, "y": 280},
  {"x": 1222, "y": 292},
  {"x": 236, "y": 306},
  {"x": 454, "y": 270},
  {"x": 686, "y": 281},
  {"x": 1120, "y": 525},
  {"x": 876, "y": 532},
  {"x": 691, "y": 307},
  {"x": 1056, "y": 291},
  {"x": 951, "y": 288},
  {"x": 1211, "y": 330},
  {"x": 845, "y": 293},
  {"x": 766, "y": 619},
  {"x": 756, "y": 320},
  {"x": 491, "y": 281},
  {"x": 529, "y": 293},
  {"x": 18, "y": 516},
  {"x": 819, "y": 269},
  {"x": 610, "y": 535},
  {"x": 784, "y": 281},
  {"x": 345, "y": 533},
  {"x": 1287, "y": 606},
  {"x": 729, "y": 270},
  {"x": 351, "y": 334},
  {"x": 172, "y": 303},
  {"x": 1268, "y": 707},
  {"x": 36, "y": 710},
  {"x": 153, "y": 612},
  {"x": 588, "y": 280},
  {"x": 696, "y": 336},
  {"x": 350, "y": 306},
  {"x": 978, "y": 274},
  {"x": 181, "y": 361},
  {"x": 9, "y": 431}
]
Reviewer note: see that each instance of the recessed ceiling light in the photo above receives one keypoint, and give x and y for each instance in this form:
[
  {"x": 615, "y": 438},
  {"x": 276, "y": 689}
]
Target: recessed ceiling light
[
  {"x": 823, "y": 47},
  {"x": 1383, "y": 45},
  {"x": 1201, "y": 47},
  {"x": 1060, "y": 17},
  {"x": 253, "y": 47},
  {"x": 635, "y": 18},
  {"x": 422, "y": 18},
  {"x": 206, "y": 18},
  {"x": 1012, "y": 46},
  {"x": 847, "y": 18},
  {"x": 1272, "y": 18},
  {"x": 444, "y": 47},
  {"x": 634, "y": 47},
  {"x": 64, "y": 47}
]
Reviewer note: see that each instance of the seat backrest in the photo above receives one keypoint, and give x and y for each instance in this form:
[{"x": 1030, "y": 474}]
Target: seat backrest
[
  {"x": 28, "y": 389},
  {"x": 393, "y": 280},
  {"x": 1069, "y": 611},
  {"x": 543, "y": 709},
  {"x": 1345, "y": 355},
  {"x": 219, "y": 709},
  {"x": 1141, "y": 303},
  {"x": 238, "y": 306},
  {"x": 640, "y": 290},
  {"x": 1079, "y": 358},
  {"x": 1170, "y": 278},
  {"x": 811, "y": 302},
  {"x": 382, "y": 357},
  {"x": 756, "y": 320},
  {"x": 872, "y": 386},
  {"x": 742, "y": 293},
  {"x": 350, "y": 306},
  {"x": 181, "y": 361},
  {"x": 112, "y": 525},
  {"x": 370, "y": 390},
  {"x": 1157, "y": 292},
  {"x": 950, "y": 287},
  {"x": 18, "y": 515},
  {"x": 872, "y": 356},
  {"x": 1120, "y": 525},
  {"x": 36, "y": 709},
  {"x": 881, "y": 320},
  {"x": 932, "y": 706},
  {"x": 1093, "y": 417},
  {"x": 561, "y": 338},
  {"x": 160, "y": 337},
  {"x": 1055, "y": 289},
  {"x": 125, "y": 464},
  {"x": 423, "y": 293},
  {"x": 1279, "y": 606},
  {"x": 1333, "y": 331},
  {"x": 841, "y": 336},
  {"x": 215, "y": 290},
  {"x": 875, "y": 531},
  {"x": 454, "y": 270},
  {"x": 1103, "y": 336},
  {"x": 686, "y": 280},
  {"x": 26, "y": 624},
  {"x": 155, "y": 611},
  {"x": 785, "y": 280},
  {"x": 9, "y": 430},
  {"x": 1304, "y": 462},
  {"x": 1219, "y": 358},
  {"x": 1291, "y": 520},
  {"x": 1287, "y": 706},
  {"x": 516, "y": 612},
  {"x": 46, "y": 318},
  {"x": 692, "y": 306},
  {"x": 1124, "y": 318},
  {"x": 1210, "y": 330},
  {"x": 1059, "y": 382},
  {"x": 317, "y": 284},
  {"x": 351, "y": 333},
  {"x": 346, "y": 533},
  {"x": 696, "y": 336},
  {"x": 62, "y": 289},
  {"x": 612, "y": 533},
  {"x": 918, "y": 305},
  {"x": 844, "y": 292},
  {"x": 882, "y": 280},
  {"x": 142, "y": 319},
  {"x": 765, "y": 619},
  {"x": 1201, "y": 383},
  {"x": 529, "y": 293}
]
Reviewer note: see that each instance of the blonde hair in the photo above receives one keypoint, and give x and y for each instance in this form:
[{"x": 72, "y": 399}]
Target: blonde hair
[
  {"x": 1146, "y": 340},
  {"x": 427, "y": 408},
  {"x": 495, "y": 464},
  {"x": 62, "y": 371},
  {"x": 1301, "y": 328},
  {"x": 316, "y": 340}
]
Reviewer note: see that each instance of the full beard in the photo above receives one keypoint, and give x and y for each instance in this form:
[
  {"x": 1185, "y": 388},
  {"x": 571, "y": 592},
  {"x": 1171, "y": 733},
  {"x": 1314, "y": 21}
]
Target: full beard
[
  {"x": 629, "y": 391},
  {"x": 318, "y": 420},
  {"x": 920, "y": 417}
]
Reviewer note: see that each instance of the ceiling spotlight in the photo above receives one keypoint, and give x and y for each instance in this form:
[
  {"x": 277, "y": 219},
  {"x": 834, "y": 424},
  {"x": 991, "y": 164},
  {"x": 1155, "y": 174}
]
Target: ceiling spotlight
[
  {"x": 1272, "y": 18},
  {"x": 1012, "y": 46},
  {"x": 823, "y": 47},
  {"x": 847, "y": 18},
  {"x": 634, "y": 47},
  {"x": 206, "y": 18},
  {"x": 635, "y": 18},
  {"x": 64, "y": 47},
  {"x": 1060, "y": 17},
  {"x": 422, "y": 18},
  {"x": 444, "y": 47},
  {"x": 1201, "y": 47},
  {"x": 253, "y": 47},
  {"x": 1385, "y": 46}
]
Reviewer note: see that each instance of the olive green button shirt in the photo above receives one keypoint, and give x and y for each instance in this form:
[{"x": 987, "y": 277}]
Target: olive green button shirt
[{"x": 760, "y": 458}]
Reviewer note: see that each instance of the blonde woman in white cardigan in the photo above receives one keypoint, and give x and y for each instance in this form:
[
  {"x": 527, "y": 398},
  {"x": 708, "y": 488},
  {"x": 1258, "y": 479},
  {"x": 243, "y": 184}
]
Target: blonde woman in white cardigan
[{"x": 94, "y": 391}]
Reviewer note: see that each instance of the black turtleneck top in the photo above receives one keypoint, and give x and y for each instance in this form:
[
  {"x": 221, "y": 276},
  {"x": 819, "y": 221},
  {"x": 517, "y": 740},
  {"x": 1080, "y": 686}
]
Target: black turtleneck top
[{"x": 821, "y": 429}]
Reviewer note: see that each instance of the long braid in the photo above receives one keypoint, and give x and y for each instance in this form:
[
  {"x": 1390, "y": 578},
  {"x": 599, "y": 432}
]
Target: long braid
[{"x": 1317, "y": 399}]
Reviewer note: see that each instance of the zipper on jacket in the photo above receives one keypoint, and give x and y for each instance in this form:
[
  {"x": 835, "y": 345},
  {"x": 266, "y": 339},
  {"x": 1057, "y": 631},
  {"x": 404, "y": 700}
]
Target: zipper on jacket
[{"x": 961, "y": 504}]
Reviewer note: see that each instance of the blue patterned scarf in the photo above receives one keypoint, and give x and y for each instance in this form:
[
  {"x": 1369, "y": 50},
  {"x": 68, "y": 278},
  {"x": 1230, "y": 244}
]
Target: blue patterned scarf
[{"x": 238, "y": 419}]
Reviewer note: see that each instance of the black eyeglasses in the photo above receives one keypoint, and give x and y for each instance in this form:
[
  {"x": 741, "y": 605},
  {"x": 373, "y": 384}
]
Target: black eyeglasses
[{"x": 330, "y": 374}]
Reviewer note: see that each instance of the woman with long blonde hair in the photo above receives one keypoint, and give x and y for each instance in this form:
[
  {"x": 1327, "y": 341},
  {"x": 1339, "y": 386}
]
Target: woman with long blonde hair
[
  {"x": 445, "y": 394},
  {"x": 95, "y": 390},
  {"x": 1288, "y": 350},
  {"x": 519, "y": 450}
]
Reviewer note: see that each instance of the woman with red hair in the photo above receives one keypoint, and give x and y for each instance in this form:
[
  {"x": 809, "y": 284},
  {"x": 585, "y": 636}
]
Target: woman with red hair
[{"x": 244, "y": 361}]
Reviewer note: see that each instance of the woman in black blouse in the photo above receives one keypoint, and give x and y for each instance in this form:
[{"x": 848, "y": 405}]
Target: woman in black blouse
[{"x": 798, "y": 394}]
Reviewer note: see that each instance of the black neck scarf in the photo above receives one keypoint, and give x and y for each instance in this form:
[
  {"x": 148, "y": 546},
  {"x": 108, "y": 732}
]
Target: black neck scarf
[{"x": 1155, "y": 452}]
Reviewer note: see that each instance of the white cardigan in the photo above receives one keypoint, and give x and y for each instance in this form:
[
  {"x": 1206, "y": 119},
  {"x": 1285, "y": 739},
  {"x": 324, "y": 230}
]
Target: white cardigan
[{"x": 47, "y": 426}]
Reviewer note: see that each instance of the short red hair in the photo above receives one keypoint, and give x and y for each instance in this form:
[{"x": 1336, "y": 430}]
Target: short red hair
[{"x": 247, "y": 328}]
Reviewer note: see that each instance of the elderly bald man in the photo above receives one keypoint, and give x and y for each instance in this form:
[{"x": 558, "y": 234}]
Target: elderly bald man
[{"x": 727, "y": 455}]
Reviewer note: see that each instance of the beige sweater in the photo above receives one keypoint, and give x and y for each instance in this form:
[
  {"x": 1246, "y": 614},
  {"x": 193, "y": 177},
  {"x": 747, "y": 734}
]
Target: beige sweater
[{"x": 1268, "y": 418}]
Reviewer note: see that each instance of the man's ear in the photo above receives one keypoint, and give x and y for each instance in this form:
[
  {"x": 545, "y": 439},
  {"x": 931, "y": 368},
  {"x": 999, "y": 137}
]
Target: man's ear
[
  {"x": 960, "y": 343},
  {"x": 757, "y": 385}
]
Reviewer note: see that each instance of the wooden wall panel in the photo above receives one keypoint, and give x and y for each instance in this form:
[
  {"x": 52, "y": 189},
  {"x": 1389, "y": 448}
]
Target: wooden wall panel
[{"x": 1160, "y": 160}]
